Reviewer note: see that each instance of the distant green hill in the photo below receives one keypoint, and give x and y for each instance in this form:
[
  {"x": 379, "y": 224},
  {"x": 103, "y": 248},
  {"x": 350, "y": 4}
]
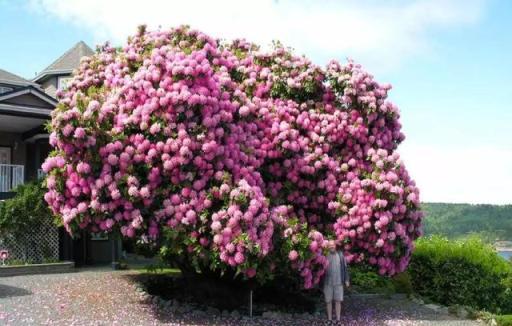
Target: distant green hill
[{"x": 491, "y": 222}]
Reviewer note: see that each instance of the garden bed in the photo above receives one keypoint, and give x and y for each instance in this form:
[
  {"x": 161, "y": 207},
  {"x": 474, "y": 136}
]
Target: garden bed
[
  {"x": 60, "y": 267},
  {"x": 204, "y": 293}
]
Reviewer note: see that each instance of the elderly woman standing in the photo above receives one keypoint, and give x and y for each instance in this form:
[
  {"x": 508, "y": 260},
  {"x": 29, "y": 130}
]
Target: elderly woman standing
[{"x": 335, "y": 278}]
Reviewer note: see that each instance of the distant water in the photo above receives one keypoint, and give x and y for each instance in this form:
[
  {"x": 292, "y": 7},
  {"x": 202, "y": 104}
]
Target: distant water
[{"x": 506, "y": 254}]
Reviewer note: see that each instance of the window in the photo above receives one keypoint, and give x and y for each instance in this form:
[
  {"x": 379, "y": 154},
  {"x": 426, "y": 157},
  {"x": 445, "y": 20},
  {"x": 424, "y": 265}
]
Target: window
[
  {"x": 99, "y": 236},
  {"x": 5, "y": 155},
  {"x": 64, "y": 82},
  {"x": 5, "y": 89}
]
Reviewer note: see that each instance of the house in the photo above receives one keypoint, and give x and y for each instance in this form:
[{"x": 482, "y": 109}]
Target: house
[{"x": 25, "y": 107}]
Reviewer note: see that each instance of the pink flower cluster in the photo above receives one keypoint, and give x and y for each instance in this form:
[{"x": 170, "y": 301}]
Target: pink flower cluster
[
  {"x": 377, "y": 208},
  {"x": 233, "y": 149},
  {"x": 244, "y": 230},
  {"x": 313, "y": 262}
]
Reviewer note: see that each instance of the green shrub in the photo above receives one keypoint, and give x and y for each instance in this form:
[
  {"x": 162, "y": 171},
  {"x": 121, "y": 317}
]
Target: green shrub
[
  {"x": 366, "y": 280},
  {"x": 466, "y": 272},
  {"x": 17, "y": 262},
  {"x": 486, "y": 317},
  {"x": 504, "y": 320},
  {"x": 25, "y": 211},
  {"x": 402, "y": 283},
  {"x": 49, "y": 260},
  {"x": 22, "y": 217},
  {"x": 506, "y": 296}
]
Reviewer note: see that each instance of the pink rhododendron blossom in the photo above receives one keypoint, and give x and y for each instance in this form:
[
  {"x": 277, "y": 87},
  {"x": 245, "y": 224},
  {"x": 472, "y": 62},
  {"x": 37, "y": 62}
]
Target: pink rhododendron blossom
[
  {"x": 237, "y": 157},
  {"x": 293, "y": 255}
]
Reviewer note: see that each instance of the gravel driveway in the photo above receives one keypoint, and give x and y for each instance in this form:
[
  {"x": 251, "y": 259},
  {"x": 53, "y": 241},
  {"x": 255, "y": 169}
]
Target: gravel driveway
[{"x": 104, "y": 297}]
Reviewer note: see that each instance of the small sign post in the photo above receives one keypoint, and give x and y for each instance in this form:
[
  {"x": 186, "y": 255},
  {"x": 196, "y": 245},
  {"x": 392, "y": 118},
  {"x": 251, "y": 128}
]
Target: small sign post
[
  {"x": 4, "y": 254},
  {"x": 250, "y": 303}
]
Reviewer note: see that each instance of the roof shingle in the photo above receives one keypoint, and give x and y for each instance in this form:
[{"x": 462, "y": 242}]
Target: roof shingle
[
  {"x": 7, "y": 77},
  {"x": 68, "y": 61}
]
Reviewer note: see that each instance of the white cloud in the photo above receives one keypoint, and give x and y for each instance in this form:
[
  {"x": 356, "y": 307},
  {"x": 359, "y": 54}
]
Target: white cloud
[
  {"x": 379, "y": 33},
  {"x": 471, "y": 174}
]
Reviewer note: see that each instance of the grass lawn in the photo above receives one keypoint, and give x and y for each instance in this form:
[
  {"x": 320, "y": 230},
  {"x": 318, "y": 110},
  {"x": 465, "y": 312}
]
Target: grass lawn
[
  {"x": 504, "y": 320},
  {"x": 157, "y": 270}
]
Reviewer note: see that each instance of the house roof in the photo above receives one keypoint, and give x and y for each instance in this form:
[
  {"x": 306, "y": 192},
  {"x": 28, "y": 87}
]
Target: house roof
[
  {"x": 29, "y": 90},
  {"x": 67, "y": 62},
  {"x": 12, "y": 79},
  {"x": 24, "y": 103}
]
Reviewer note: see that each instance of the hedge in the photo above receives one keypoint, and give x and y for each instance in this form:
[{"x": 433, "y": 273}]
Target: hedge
[
  {"x": 465, "y": 272},
  {"x": 504, "y": 320}
]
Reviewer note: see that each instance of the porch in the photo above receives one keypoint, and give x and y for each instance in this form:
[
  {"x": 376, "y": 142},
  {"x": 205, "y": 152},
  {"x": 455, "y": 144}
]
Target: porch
[
  {"x": 13, "y": 175},
  {"x": 20, "y": 161},
  {"x": 24, "y": 110},
  {"x": 23, "y": 148}
]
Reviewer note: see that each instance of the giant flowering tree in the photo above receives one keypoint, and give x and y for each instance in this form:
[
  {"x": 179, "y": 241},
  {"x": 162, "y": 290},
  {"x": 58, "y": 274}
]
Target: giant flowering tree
[{"x": 232, "y": 158}]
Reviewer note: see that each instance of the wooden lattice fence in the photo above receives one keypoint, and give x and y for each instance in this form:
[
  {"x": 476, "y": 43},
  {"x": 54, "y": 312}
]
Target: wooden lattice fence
[{"x": 37, "y": 245}]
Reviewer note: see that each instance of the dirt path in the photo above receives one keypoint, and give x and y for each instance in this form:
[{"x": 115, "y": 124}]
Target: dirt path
[{"x": 103, "y": 297}]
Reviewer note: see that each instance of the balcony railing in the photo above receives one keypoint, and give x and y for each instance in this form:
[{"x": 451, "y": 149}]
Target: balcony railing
[{"x": 11, "y": 176}]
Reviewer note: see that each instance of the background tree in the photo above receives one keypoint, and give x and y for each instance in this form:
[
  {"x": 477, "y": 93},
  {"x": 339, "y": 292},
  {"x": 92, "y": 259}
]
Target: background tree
[
  {"x": 232, "y": 159},
  {"x": 490, "y": 222}
]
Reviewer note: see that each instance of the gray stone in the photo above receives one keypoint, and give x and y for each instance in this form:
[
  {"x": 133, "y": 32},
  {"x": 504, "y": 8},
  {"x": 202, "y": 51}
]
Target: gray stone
[
  {"x": 304, "y": 315},
  {"x": 398, "y": 296},
  {"x": 212, "y": 311},
  {"x": 199, "y": 313},
  {"x": 180, "y": 310},
  {"x": 165, "y": 303},
  {"x": 442, "y": 310},
  {"x": 144, "y": 297},
  {"x": 368, "y": 295},
  {"x": 432, "y": 306},
  {"x": 463, "y": 313},
  {"x": 267, "y": 314},
  {"x": 186, "y": 308},
  {"x": 437, "y": 308},
  {"x": 417, "y": 300},
  {"x": 173, "y": 309},
  {"x": 177, "y": 307},
  {"x": 284, "y": 315},
  {"x": 276, "y": 315}
]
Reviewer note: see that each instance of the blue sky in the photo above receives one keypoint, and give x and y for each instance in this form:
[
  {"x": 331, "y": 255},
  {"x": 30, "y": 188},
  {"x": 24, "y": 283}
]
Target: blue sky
[{"x": 450, "y": 63}]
